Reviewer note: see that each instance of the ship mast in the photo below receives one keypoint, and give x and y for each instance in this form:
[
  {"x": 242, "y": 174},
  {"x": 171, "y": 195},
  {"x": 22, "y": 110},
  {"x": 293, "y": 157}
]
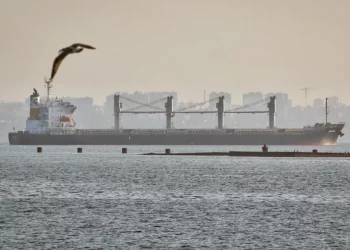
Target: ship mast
[
  {"x": 48, "y": 89},
  {"x": 326, "y": 110}
]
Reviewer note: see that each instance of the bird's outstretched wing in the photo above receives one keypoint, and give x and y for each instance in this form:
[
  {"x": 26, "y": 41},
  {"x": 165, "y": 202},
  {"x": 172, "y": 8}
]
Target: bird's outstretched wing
[
  {"x": 56, "y": 64},
  {"x": 83, "y": 45}
]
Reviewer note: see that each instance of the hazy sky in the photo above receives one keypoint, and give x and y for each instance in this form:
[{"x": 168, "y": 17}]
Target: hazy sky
[{"x": 186, "y": 46}]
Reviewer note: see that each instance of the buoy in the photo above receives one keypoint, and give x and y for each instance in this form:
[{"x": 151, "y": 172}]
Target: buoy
[
  {"x": 39, "y": 149},
  {"x": 79, "y": 150},
  {"x": 124, "y": 150},
  {"x": 167, "y": 151}
]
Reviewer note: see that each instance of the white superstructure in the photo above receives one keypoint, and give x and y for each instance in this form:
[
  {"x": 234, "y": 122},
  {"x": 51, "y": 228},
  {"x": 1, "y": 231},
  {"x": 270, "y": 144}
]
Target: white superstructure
[{"x": 50, "y": 117}]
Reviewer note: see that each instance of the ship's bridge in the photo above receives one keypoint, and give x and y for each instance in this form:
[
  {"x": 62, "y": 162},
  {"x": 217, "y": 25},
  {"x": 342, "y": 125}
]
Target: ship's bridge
[{"x": 53, "y": 116}]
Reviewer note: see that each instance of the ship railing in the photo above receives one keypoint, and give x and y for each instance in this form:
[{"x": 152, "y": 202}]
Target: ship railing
[
  {"x": 269, "y": 132},
  {"x": 150, "y": 131},
  {"x": 147, "y": 131},
  {"x": 172, "y": 131},
  {"x": 294, "y": 130},
  {"x": 59, "y": 131},
  {"x": 335, "y": 126},
  {"x": 255, "y": 132},
  {"x": 207, "y": 131},
  {"x": 190, "y": 131},
  {"x": 46, "y": 132},
  {"x": 97, "y": 132}
]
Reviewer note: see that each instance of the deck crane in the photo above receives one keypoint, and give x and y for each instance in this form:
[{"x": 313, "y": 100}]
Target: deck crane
[{"x": 170, "y": 113}]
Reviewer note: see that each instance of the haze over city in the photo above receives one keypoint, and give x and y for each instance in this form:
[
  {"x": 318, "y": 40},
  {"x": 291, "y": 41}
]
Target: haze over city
[{"x": 182, "y": 46}]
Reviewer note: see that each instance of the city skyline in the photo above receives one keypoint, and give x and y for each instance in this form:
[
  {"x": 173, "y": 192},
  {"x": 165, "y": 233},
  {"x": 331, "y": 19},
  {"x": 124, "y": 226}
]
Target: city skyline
[
  {"x": 150, "y": 96},
  {"x": 205, "y": 97}
]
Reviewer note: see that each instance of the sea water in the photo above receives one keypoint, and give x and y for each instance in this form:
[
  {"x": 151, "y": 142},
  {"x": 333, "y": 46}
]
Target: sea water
[{"x": 103, "y": 199}]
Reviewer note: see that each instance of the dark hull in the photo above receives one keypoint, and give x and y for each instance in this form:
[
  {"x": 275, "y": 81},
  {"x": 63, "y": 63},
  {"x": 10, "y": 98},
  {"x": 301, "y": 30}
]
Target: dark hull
[{"x": 320, "y": 138}]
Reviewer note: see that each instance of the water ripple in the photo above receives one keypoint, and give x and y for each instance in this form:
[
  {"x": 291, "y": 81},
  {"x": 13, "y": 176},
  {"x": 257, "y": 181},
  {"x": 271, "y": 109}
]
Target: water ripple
[{"x": 106, "y": 200}]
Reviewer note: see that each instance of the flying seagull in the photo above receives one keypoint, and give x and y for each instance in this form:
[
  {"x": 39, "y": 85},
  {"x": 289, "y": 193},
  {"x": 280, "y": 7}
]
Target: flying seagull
[{"x": 74, "y": 48}]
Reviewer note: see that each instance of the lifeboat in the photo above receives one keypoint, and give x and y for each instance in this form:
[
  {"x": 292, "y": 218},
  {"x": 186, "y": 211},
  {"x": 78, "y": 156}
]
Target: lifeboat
[{"x": 64, "y": 119}]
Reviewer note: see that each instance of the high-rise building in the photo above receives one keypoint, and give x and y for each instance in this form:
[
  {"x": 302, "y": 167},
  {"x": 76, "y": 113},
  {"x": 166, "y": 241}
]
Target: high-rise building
[
  {"x": 333, "y": 102},
  {"x": 318, "y": 103},
  {"x": 252, "y": 97},
  {"x": 227, "y": 99},
  {"x": 84, "y": 115}
]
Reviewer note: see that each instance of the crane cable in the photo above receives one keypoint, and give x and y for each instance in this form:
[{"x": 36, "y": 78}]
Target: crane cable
[
  {"x": 197, "y": 104},
  {"x": 142, "y": 104},
  {"x": 250, "y": 105}
]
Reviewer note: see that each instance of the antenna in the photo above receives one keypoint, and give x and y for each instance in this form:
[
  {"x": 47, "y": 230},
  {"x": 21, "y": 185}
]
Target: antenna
[{"x": 306, "y": 90}]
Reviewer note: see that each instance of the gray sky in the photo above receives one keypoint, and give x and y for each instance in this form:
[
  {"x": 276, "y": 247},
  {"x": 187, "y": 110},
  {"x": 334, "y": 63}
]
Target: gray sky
[{"x": 186, "y": 45}]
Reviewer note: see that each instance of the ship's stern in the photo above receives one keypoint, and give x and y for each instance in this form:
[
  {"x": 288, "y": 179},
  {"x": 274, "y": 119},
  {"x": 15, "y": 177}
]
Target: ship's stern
[{"x": 14, "y": 138}]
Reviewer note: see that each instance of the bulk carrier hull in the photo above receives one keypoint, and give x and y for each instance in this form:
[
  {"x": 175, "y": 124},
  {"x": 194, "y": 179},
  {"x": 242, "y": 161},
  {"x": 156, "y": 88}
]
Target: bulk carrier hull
[
  {"x": 222, "y": 137},
  {"x": 51, "y": 123}
]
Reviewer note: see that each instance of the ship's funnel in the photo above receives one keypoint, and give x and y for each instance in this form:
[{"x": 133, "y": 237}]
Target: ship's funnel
[{"x": 34, "y": 106}]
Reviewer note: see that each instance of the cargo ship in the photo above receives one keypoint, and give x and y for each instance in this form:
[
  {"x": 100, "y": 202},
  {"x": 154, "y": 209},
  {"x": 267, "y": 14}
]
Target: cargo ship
[{"x": 51, "y": 123}]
